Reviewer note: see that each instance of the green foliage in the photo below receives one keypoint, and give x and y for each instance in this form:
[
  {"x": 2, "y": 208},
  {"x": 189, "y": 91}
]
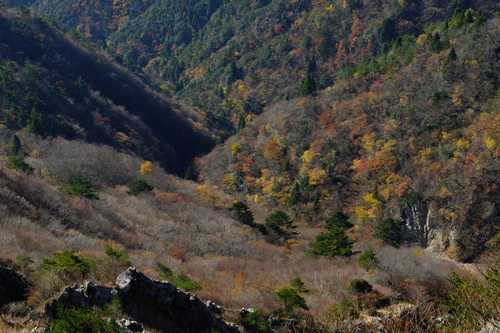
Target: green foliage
[
  {"x": 280, "y": 222},
  {"x": 291, "y": 299},
  {"x": 17, "y": 163},
  {"x": 165, "y": 271},
  {"x": 180, "y": 281},
  {"x": 16, "y": 160},
  {"x": 435, "y": 44},
  {"x": 80, "y": 185},
  {"x": 474, "y": 304},
  {"x": 335, "y": 242},
  {"x": 23, "y": 10},
  {"x": 452, "y": 56},
  {"x": 86, "y": 320},
  {"x": 16, "y": 146},
  {"x": 307, "y": 87},
  {"x": 367, "y": 259},
  {"x": 24, "y": 260},
  {"x": 242, "y": 213},
  {"x": 389, "y": 231},
  {"x": 32, "y": 71},
  {"x": 184, "y": 282},
  {"x": 66, "y": 260},
  {"x": 294, "y": 195},
  {"x": 342, "y": 310},
  {"x": 256, "y": 322},
  {"x": 338, "y": 220},
  {"x": 139, "y": 185},
  {"x": 120, "y": 256},
  {"x": 189, "y": 175},
  {"x": 359, "y": 286},
  {"x": 298, "y": 284}
]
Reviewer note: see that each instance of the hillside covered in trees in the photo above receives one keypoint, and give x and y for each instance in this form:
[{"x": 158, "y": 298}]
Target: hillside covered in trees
[
  {"x": 354, "y": 173},
  {"x": 51, "y": 86}
]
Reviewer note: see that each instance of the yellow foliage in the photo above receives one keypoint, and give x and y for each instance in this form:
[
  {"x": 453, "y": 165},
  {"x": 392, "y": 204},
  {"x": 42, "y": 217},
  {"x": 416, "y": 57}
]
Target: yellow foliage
[
  {"x": 369, "y": 141},
  {"x": 456, "y": 96},
  {"x": 235, "y": 148},
  {"x": 303, "y": 103},
  {"x": 387, "y": 147},
  {"x": 308, "y": 156},
  {"x": 490, "y": 143},
  {"x": 146, "y": 168},
  {"x": 444, "y": 192},
  {"x": 385, "y": 193},
  {"x": 249, "y": 118},
  {"x": 228, "y": 181},
  {"x": 371, "y": 200},
  {"x": 421, "y": 39},
  {"x": 208, "y": 195},
  {"x": 316, "y": 176},
  {"x": 463, "y": 144},
  {"x": 414, "y": 143},
  {"x": 364, "y": 214}
]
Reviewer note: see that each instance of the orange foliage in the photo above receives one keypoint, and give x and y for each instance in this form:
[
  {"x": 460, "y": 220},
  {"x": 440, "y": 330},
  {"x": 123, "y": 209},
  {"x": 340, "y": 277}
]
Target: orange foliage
[
  {"x": 271, "y": 150},
  {"x": 177, "y": 254},
  {"x": 168, "y": 197},
  {"x": 402, "y": 189},
  {"x": 325, "y": 118}
]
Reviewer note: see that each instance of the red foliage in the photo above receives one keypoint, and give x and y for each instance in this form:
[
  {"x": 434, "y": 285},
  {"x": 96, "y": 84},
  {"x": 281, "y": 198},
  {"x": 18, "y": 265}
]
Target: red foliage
[{"x": 479, "y": 224}]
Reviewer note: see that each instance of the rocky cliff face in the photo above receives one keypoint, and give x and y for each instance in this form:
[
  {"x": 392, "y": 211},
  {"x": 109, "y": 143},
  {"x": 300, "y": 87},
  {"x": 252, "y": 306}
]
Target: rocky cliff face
[{"x": 158, "y": 304}]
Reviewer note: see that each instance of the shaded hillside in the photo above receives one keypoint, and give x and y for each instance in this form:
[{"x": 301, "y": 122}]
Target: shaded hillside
[{"x": 52, "y": 86}]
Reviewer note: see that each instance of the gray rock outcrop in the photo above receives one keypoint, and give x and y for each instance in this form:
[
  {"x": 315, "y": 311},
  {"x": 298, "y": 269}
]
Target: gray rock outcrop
[{"x": 159, "y": 304}]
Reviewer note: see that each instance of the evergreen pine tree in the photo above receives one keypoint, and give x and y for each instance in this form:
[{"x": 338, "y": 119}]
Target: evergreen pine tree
[
  {"x": 334, "y": 242},
  {"x": 294, "y": 195},
  {"x": 389, "y": 231},
  {"x": 307, "y": 87}
]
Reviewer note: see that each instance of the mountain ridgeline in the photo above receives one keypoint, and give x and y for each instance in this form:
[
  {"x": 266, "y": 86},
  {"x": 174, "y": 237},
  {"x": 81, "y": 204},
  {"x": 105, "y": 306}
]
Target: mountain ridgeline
[{"x": 54, "y": 87}]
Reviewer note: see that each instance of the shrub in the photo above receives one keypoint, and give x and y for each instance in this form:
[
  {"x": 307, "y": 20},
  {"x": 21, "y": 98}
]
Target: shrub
[
  {"x": 255, "y": 322},
  {"x": 367, "y": 259},
  {"x": 359, "y": 286},
  {"x": 291, "y": 299},
  {"x": 475, "y": 304},
  {"x": 17, "y": 162},
  {"x": 86, "y": 320},
  {"x": 16, "y": 159},
  {"x": 80, "y": 185},
  {"x": 180, "y": 281},
  {"x": 139, "y": 185},
  {"x": 68, "y": 261},
  {"x": 118, "y": 255}
]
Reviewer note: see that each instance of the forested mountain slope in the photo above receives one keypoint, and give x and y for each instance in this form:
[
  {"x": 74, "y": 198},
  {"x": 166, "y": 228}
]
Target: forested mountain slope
[
  {"x": 232, "y": 59},
  {"x": 52, "y": 86},
  {"x": 418, "y": 143},
  {"x": 355, "y": 137}
]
